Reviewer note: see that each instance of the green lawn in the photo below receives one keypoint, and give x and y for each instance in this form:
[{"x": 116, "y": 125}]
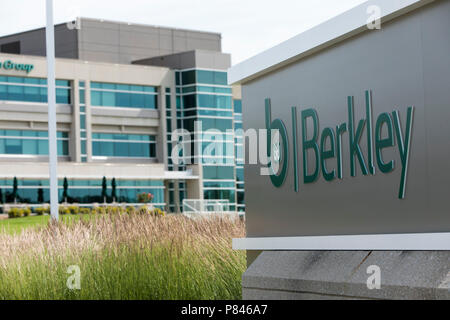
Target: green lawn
[{"x": 16, "y": 225}]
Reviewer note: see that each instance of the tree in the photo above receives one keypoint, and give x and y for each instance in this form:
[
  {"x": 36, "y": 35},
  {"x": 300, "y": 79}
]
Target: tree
[
  {"x": 113, "y": 191},
  {"x": 1, "y": 196},
  {"x": 104, "y": 187},
  {"x": 15, "y": 188},
  {"x": 40, "y": 194},
  {"x": 66, "y": 187}
]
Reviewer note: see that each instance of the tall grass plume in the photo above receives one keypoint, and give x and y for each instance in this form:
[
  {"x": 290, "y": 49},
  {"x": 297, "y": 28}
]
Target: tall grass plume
[{"x": 124, "y": 257}]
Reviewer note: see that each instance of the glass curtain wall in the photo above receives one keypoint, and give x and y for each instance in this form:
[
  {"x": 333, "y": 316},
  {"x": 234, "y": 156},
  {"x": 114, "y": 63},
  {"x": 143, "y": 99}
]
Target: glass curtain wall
[
  {"x": 239, "y": 152},
  {"x": 204, "y": 97},
  {"x": 32, "y": 90}
]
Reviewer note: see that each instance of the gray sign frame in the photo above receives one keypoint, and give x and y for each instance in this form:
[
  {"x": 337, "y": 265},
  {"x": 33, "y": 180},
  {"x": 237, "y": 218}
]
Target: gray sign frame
[{"x": 406, "y": 63}]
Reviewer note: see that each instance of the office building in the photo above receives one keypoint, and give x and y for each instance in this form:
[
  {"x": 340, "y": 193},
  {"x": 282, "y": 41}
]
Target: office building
[{"x": 122, "y": 89}]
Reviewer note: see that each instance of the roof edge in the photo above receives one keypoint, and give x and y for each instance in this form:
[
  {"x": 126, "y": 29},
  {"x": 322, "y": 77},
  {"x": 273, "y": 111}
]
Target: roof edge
[
  {"x": 118, "y": 22},
  {"x": 326, "y": 34}
]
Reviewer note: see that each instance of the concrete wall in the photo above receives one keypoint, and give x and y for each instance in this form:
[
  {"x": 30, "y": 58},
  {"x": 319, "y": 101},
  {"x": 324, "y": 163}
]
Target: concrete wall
[
  {"x": 122, "y": 43},
  {"x": 83, "y": 170},
  {"x": 237, "y": 92},
  {"x": 313, "y": 275},
  {"x": 114, "y": 42},
  {"x": 201, "y": 59},
  {"x": 95, "y": 71},
  {"x": 194, "y": 187}
]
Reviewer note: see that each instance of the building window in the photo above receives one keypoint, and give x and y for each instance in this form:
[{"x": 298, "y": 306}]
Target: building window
[
  {"x": 219, "y": 184},
  {"x": 204, "y": 77},
  {"x": 212, "y": 77},
  {"x": 206, "y": 89},
  {"x": 241, "y": 200},
  {"x": 29, "y": 142},
  {"x": 214, "y": 101},
  {"x": 11, "y": 47},
  {"x": 123, "y": 145},
  {"x": 182, "y": 193},
  {"x": 188, "y": 77},
  {"x": 83, "y": 131},
  {"x": 208, "y": 123},
  {"x": 32, "y": 90},
  {"x": 237, "y": 106},
  {"x": 169, "y": 127},
  {"x": 220, "y": 194},
  {"x": 218, "y": 172},
  {"x": 123, "y": 95},
  {"x": 83, "y": 191}
]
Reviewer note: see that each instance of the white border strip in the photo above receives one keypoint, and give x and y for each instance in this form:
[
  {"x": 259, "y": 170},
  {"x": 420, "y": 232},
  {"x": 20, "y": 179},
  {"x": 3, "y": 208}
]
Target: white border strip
[
  {"x": 337, "y": 29},
  {"x": 405, "y": 241}
]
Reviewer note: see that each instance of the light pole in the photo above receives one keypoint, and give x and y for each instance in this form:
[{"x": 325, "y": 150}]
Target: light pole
[{"x": 51, "y": 95}]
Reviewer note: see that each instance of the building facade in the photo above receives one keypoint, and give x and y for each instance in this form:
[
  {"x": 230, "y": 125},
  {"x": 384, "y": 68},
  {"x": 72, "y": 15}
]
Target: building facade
[{"x": 116, "y": 116}]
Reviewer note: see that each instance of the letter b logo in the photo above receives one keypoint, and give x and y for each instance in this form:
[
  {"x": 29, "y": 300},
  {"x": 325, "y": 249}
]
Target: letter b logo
[{"x": 277, "y": 147}]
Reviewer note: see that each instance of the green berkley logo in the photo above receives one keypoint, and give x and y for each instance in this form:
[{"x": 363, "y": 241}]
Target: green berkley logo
[
  {"x": 323, "y": 150},
  {"x": 10, "y": 65}
]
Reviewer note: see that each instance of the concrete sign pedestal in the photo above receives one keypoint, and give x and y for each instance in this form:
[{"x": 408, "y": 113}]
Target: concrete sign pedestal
[{"x": 343, "y": 275}]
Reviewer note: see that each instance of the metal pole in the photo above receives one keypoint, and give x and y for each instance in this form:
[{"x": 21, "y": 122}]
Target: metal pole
[{"x": 51, "y": 94}]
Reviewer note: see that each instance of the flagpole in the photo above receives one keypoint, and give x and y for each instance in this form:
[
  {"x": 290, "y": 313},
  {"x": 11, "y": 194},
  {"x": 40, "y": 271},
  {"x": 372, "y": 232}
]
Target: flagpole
[{"x": 51, "y": 94}]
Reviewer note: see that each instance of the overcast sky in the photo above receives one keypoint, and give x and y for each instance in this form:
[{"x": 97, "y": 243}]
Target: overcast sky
[{"x": 247, "y": 26}]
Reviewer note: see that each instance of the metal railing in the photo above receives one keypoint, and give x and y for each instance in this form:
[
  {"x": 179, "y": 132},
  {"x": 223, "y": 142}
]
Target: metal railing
[{"x": 205, "y": 207}]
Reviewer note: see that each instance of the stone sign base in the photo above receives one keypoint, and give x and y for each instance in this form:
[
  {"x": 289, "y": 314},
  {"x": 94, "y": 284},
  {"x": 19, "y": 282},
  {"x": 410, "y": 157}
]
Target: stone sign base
[{"x": 344, "y": 275}]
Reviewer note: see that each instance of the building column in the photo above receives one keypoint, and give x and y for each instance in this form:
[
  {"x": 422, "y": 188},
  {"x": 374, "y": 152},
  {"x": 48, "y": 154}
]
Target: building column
[
  {"x": 194, "y": 187},
  {"x": 173, "y": 112},
  {"x": 75, "y": 137},
  {"x": 161, "y": 139}
]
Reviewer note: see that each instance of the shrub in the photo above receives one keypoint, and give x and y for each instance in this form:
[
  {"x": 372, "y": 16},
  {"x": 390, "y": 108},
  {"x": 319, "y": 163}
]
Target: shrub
[
  {"x": 25, "y": 212},
  {"x": 118, "y": 210},
  {"x": 98, "y": 210},
  {"x": 14, "y": 213},
  {"x": 74, "y": 209},
  {"x": 143, "y": 210},
  {"x": 157, "y": 212},
  {"x": 85, "y": 211},
  {"x": 130, "y": 209},
  {"x": 63, "y": 210},
  {"x": 113, "y": 210},
  {"x": 40, "y": 211}
]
